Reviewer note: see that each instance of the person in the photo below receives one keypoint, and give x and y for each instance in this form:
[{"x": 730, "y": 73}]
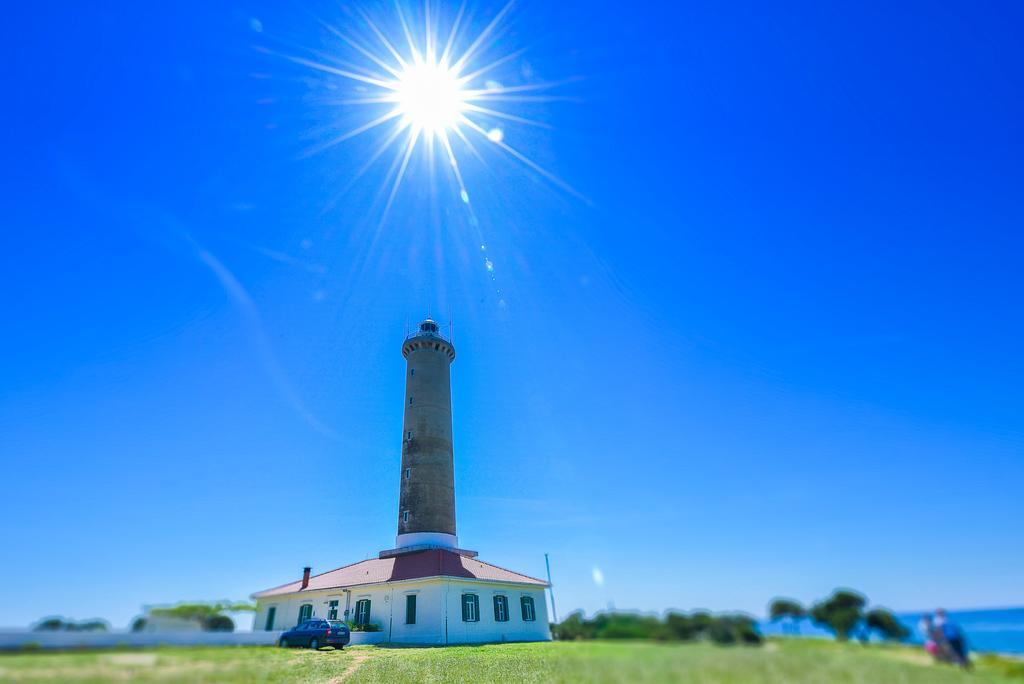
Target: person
[
  {"x": 925, "y": 627},
  {"x": 954, "y": 637},
  {"x": 934, "y": 641}
]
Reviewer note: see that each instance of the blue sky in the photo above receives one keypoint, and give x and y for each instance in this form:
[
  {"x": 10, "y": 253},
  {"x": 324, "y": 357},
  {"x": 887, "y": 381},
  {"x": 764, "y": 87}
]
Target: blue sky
[{"x": 775, "y": 350}]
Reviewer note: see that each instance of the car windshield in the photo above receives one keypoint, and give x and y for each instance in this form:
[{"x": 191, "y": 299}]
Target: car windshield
[{"x": 335, "y": 624}]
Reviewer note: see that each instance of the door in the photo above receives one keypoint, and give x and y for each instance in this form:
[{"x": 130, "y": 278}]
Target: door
[{"x": 305, "y": 612}]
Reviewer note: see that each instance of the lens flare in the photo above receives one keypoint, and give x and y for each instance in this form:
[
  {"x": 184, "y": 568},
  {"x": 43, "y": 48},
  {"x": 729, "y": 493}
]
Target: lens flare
[{"x": 437, "y": 88}]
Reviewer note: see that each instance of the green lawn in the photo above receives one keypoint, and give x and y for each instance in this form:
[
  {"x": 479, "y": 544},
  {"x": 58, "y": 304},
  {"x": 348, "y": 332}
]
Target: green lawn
[{"x": 778, "y": 662}]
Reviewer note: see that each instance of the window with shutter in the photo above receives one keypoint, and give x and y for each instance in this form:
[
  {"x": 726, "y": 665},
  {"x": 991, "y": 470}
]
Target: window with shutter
[
  {"x": 363, "y": 612},
  {"x": 501, "y": 609},
  {"x": 305, "y": 612},
  {"x": 470, "y": 608},
  {"x": 410, "y": 609},
  {"x": 526, "y": 603}
]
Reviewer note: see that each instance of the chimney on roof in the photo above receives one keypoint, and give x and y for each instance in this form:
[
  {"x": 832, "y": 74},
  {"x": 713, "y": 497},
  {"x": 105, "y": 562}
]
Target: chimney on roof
[{"x": 305, "y": 576}]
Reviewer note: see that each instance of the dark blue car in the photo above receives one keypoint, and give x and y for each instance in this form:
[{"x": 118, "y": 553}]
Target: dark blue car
[{"x": 316, "y": 633}]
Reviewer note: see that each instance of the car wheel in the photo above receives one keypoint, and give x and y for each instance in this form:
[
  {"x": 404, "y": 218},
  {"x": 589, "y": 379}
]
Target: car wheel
[
  {"x": 282, "y": 642},
  {"x": 314, "y": 643}
]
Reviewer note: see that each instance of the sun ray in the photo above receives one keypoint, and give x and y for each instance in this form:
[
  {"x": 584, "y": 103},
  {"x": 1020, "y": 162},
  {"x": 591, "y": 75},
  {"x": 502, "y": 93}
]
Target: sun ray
[
  {"x": 383, "y": 39},
  {"x": 454, "y": 163},
  {"x": 526, "y": 88},
  {"x": 502, "y": 115},
  {"x": 428, "y": 40},
  {"x": 451, "y": 34},
  {"x": 471, "y": 50},
  {"x": 384, "y": 118},
  {"x": 490, "y": 67},
  {"x": 414, "y": 134},
  {"x": 416, "y": 56},
  {"x": 364, "y": 51},
  {"x": 526, "y": 160},
  {"x": 418, "y": 92},
  {"x": 379, "y": 82}
]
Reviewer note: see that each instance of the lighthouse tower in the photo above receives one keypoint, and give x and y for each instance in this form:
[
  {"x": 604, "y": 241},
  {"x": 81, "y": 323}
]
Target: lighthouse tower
[
  {"x": 426, "y": 590},
  {"x": 426, "y": 502}
]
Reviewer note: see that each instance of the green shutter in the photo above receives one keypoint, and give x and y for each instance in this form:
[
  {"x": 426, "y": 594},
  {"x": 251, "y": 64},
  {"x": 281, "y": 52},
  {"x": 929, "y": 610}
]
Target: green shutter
[
  {"x": 526, "y": 606},
  {"x": 305, "y": 611},
  {"x": 410, "y": 609},
  {"x": 500, "y": 609},
  {"x": 365, "y": 619},
  {"x": 470, "y": 601},
  {"x": 270, "y": 617}
]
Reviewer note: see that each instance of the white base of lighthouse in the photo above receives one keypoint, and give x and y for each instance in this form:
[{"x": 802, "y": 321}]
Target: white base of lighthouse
[{"x": 431, "y": 539}]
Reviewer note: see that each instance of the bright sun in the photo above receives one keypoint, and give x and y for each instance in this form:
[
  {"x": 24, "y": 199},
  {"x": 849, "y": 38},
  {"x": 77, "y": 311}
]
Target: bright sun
[
  {"x": 430, "y": 97},
  {"x": 429, "y": 91}
]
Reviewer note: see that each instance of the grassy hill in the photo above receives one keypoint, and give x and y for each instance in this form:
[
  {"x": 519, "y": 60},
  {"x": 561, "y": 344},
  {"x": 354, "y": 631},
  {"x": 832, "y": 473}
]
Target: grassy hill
[{"x": 778, "y": 662}]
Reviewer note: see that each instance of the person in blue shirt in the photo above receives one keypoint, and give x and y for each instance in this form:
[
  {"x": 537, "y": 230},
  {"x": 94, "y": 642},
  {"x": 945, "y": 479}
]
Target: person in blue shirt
[{"x": 954, "y": 636}]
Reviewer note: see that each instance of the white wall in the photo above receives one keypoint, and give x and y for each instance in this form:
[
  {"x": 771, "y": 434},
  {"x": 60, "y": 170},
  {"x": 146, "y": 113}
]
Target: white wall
[
  {"x": 23, "y": 639},
  {"x": 438, "y": 611}
]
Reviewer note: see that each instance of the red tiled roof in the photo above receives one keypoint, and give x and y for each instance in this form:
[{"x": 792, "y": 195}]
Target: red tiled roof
[{"x": 429, "y": 563}]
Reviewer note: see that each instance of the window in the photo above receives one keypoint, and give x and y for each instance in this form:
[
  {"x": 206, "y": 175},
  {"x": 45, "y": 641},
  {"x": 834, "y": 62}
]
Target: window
[
  {"x": 405, "y": 516},
  {"x": 408, "y": 435},
  {"x": 526, "y": 603},
  {"x": 332, "y": 610},
  {"x": 410, "y": 609},
  {"x": 363, "y": 612},
  {"x": 412, "y": 371},
  {"x": 470, "y": 608},
  {"x": 271, "y": 613},
  {"x": 501, "y": 609},
  {"x": 408, "y": 472},
  {"x": 305, "y": 611}
]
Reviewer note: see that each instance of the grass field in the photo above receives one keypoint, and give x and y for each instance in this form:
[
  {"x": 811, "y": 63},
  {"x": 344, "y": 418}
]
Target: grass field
[{"x": 785, "y": 661}]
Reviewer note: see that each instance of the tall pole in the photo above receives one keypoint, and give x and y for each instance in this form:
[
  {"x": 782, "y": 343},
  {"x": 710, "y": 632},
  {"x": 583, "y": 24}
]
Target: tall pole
[{"x": 551, "y": 589}]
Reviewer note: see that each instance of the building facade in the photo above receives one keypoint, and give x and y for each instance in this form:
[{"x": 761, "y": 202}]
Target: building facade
[{"x": 425, "y": 590}]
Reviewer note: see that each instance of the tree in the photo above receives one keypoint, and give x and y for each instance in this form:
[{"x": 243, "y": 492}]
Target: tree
[
  {"x": 725, "y": 629},
  {"x": 885, "y": 623},
  {"x": 575, "y": 626},
  {"x": 782, "y": 608},
  {"x": 50, "y": 624},
  {"x": 219, "y": 623},
  {"x": 840, "y": 612},
  {"x": 209, "y": 615},
  {"x": 59, "y": 624}
]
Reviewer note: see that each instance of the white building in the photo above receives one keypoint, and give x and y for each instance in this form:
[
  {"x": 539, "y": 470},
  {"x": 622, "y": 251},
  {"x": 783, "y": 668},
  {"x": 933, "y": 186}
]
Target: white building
[{"x": 426, "y": 590}]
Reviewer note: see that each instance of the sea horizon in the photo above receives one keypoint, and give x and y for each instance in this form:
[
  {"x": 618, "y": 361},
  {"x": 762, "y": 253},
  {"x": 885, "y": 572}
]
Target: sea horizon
[{"x": 988, "y": 630}]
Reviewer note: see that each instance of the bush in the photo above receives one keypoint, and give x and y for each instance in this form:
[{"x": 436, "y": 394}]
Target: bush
[
  {"x": 368, "y": 627},
  {"x": 723, "y": 630},
  {"x": 885, "y": 623},
  {"x": 59, "y": 624},
  {"x": 218, "y": 623}
]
